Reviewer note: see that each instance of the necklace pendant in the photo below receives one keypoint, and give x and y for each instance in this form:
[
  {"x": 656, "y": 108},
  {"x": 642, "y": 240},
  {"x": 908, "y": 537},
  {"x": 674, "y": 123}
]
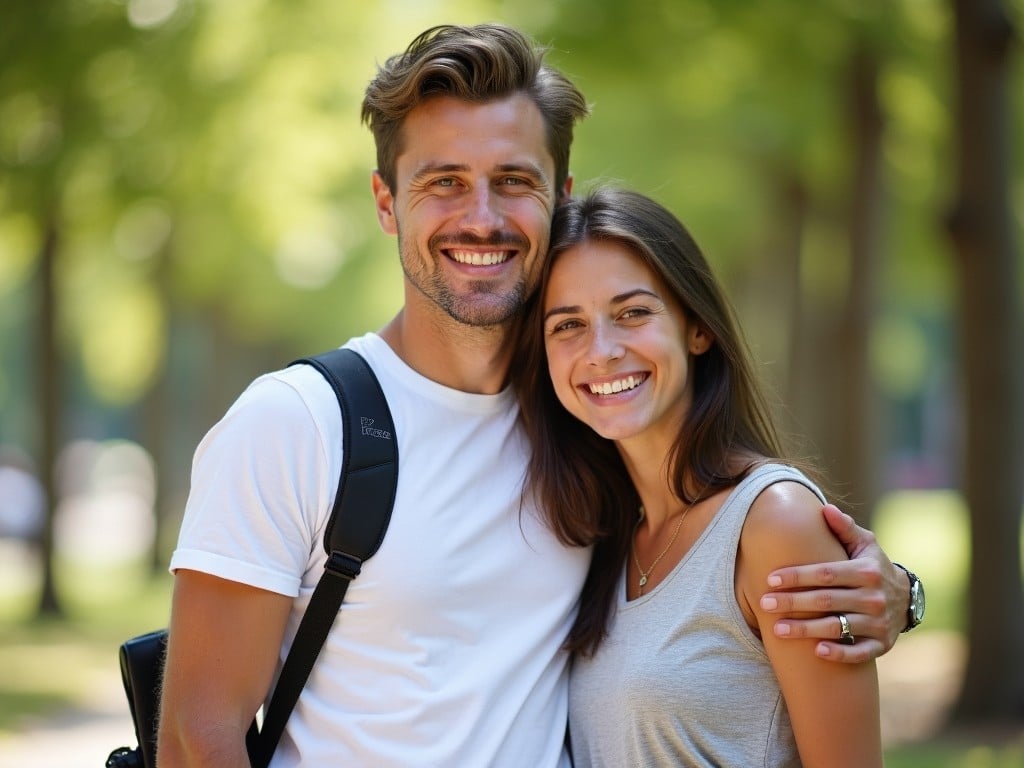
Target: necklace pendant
[{"x": 643, "y": 581}]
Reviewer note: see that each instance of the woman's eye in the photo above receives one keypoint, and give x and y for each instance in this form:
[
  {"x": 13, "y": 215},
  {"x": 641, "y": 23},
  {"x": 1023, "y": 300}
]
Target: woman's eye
[
  {"x": 565, "y": 325},
  {"x": 635, "y": 312}
]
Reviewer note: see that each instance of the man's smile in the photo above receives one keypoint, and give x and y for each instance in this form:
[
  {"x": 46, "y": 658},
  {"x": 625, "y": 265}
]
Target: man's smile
[{"x": 477, "y": 258}]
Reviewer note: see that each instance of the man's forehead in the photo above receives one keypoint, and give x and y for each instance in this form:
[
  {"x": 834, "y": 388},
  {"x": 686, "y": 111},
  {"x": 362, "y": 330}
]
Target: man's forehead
[{"x": 445, "y": 132}]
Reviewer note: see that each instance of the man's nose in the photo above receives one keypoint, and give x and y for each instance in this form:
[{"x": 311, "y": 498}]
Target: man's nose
[{"x": 484, "y": 212}]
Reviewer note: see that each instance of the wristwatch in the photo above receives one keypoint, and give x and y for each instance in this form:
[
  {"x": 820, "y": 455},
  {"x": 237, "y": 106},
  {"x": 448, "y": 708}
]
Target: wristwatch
[{"x": 915, "y": 613}]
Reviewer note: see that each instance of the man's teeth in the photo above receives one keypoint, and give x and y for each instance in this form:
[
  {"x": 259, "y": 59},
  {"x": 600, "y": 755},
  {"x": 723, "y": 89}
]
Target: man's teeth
[
  {"x": 612, "y": 387},
  {"x": 480, "y": 259}
]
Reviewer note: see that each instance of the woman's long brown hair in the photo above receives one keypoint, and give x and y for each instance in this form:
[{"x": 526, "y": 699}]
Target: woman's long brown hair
[{"x": 578, "y": 478}]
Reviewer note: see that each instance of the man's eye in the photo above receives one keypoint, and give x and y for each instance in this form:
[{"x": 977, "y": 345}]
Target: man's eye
[{"x": 445, "y": 182}]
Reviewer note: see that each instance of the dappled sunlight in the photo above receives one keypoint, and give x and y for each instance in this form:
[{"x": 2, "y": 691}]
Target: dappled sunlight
[
  {"x": 292, "y": 142},
  {"x": 146, "y": 14},
  {"x": 18, "y": 243},
  {"x": 116, "y": 83},
  {"x": 929, "y": 531},
  {"x": 86, "y": 192},
  {"x": 307, "y": 259},
  {"x": 105, "y": 515},
  {"x": 29, "y": 131},
  {"x": 143, "y": 229},
  {"x": 122, "y": 342},
  {"x": 901, "y": 356},
  {"x": 708, "y": 89}
]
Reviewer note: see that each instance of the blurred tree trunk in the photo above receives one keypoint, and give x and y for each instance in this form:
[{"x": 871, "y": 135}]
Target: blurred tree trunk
[
  {"x": 49, "y": 373},
  {"x": 802, "y": 395},
  {"x": 982, "y": 230},
  {"x": 855, "y": 439},
  {"x": 156, "y": 406}
]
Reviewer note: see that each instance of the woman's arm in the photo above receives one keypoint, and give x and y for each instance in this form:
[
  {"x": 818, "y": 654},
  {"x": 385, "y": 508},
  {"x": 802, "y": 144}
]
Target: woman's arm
[{"x": 833, "y": 707}]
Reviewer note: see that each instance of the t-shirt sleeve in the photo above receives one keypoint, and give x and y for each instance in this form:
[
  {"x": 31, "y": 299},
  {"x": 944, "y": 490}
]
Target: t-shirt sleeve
[{"x": 260, "y": 484}]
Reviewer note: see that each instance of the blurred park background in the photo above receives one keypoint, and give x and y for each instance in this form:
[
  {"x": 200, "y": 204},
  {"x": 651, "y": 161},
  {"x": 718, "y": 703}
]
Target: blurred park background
[{"x": 184, "y": 203}]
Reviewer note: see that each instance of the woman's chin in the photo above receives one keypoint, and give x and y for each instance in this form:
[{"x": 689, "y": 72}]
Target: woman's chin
[{"x": 614, "y": 432}]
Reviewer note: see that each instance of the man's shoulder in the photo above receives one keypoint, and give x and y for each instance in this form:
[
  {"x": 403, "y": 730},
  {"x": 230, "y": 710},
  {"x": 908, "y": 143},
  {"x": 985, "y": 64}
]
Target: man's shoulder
[{"x": 300, "y": 386}]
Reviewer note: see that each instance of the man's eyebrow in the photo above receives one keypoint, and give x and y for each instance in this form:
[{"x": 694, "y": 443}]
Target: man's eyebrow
[
  {"x": 617, "y": 299},
  {"x": 532, "y": 170},
  {"x": 429, "y": 169}
]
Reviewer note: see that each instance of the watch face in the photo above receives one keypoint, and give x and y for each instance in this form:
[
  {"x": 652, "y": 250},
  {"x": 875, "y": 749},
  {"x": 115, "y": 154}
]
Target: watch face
[{"x": 917, "y": 601}]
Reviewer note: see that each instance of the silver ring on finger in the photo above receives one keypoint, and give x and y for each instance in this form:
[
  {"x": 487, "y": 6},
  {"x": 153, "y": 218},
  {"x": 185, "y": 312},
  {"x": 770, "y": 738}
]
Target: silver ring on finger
[{"x": 845, "y": 635}]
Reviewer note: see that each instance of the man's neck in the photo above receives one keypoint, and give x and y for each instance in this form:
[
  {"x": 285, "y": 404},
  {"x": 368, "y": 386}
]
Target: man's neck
[{"x": 459, "y": 356}]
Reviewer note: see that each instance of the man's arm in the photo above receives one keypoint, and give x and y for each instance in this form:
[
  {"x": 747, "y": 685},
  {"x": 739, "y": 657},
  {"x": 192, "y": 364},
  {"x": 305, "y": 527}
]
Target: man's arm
[
  {"x": 873, "y": 593},
  {"x": 223, "y": 646}
]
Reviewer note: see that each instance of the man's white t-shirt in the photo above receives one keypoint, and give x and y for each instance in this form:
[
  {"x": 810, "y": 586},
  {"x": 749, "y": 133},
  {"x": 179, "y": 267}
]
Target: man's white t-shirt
[{"x": 447, "y": 651}]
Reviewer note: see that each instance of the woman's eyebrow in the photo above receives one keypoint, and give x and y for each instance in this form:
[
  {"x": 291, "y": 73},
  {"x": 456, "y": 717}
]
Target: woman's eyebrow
[
  {"x": 567, "y": 310},
  {"x": 627, "y": 295},
  {"x": 617, "y": 299}
]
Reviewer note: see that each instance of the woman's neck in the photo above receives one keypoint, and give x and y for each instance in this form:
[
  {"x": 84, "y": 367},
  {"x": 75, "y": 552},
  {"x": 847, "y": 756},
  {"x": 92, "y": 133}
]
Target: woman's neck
[{"x": 648, "y": 465}]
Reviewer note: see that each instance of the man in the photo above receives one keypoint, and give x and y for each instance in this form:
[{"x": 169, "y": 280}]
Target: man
[{"x": 448, "y": 651}]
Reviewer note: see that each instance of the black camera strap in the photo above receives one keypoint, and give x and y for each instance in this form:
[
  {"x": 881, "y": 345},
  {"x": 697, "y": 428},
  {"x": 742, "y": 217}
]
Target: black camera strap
[{"x": 362, "y": 511}]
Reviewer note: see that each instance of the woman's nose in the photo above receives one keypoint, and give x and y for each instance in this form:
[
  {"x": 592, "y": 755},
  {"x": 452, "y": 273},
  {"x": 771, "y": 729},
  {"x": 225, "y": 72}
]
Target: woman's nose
[{"x": 605, "y": 345}]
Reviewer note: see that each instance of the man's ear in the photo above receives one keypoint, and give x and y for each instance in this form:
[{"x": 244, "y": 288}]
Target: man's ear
[
  {"x": 566, "y": 191},
  {"x": 385, "y": 203}
]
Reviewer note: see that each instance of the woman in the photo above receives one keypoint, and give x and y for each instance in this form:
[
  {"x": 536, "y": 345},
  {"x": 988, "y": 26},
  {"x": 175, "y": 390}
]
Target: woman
[{"x": 652, "y": 440}]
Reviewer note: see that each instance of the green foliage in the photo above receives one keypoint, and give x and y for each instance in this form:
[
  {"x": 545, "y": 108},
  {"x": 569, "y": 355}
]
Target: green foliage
[
  {"x": 206, "y": 159},
  {"x": 1007, "y": 752}
]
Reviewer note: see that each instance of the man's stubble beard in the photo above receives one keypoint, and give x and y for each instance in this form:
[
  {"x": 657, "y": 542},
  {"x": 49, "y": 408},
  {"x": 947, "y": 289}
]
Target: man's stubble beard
[{"x": 495, "y": 309}]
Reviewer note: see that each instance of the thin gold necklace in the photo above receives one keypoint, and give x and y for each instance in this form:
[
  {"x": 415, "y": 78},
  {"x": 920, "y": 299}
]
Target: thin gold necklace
[{"x": 644, "y": 574}]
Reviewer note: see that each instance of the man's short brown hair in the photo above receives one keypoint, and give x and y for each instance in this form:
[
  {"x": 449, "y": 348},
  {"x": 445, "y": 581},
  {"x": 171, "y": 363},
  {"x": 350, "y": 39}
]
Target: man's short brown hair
[{"x": 478, "y": 63}]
